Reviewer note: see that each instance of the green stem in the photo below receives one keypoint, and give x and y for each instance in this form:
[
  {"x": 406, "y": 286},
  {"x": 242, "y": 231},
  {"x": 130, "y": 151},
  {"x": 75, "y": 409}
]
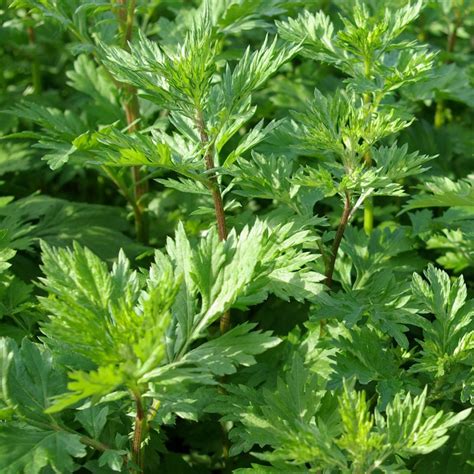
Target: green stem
[
  {"x": 439, "y": 114},
  {"x": 93, "y": 443},
  {"x": 225, "y": 447},
  {"x": 367, "y": 67},
  {"x": 369, "y": 203}
]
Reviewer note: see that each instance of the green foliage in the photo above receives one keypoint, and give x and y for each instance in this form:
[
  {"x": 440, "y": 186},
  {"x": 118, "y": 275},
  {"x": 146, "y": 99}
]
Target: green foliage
[
  {"x": 365, "y": 48},
  {"x": 31, "y": 439},
  {"x": 443, "y": 192},
  {"x": 452, "y": 232},
  {"x": 134, "y": 329},
  {"x": 186, "y": 282},
  {"x": 348, "y": 124},
  {"x": 26, "y": 449},
  {"x": 448, "y": 341},
  {"x": 298, "y": 421}
]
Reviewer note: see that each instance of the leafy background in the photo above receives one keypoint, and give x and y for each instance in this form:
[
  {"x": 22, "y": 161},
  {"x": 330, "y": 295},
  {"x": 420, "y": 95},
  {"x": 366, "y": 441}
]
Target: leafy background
[{"x": 399, "y": 318}]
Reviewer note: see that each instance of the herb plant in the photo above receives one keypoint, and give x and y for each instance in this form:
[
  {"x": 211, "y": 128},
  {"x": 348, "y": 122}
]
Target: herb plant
[{"x": 236, "y": 236}]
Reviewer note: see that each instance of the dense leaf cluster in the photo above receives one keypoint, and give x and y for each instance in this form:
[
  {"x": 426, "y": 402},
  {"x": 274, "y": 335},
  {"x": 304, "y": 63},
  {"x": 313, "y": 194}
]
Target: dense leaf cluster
[{"x": 236, "y": 236}]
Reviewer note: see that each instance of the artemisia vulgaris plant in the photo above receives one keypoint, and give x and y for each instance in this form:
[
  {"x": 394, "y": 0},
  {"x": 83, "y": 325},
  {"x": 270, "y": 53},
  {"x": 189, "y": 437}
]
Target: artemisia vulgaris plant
[{"x": 236, "y": 236}]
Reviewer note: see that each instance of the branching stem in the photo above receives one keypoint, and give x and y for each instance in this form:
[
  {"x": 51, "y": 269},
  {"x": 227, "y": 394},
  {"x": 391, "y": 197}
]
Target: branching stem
[
  {"x": 225, "y": 321},
  {"x": 93, "y": 443},
  {"x": 214, "y": 185},
  {"x": 330, "y": 263},
  {"x": 216, "y": 197}
]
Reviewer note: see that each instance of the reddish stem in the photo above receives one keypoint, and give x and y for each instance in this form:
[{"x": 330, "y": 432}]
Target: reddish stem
[
  {"x": 453, "y": 35},
  {"x": 225, "y": 322},
  {"x": 214, "y": 185},
  {"x": 338, "y": 239},
  {"x": 335, "y": 247},
  {"x": 138, "y": 433}
]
